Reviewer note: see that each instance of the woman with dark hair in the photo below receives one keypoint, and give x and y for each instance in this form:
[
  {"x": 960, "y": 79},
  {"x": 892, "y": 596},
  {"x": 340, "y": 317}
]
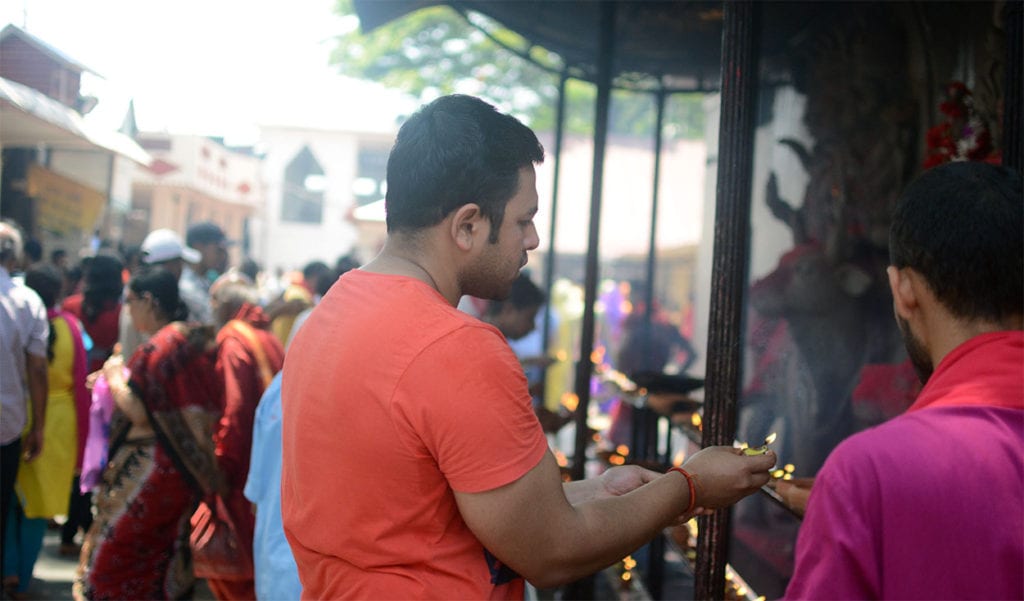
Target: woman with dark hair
[
  {"x": 98, "y": 306},
  {"x": 43, "y": 484},
  {"x": 161, "y": 452}
]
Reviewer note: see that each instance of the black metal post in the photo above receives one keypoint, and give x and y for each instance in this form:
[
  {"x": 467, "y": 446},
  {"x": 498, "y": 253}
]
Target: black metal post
[
  {"x": 585, "y": 366},
  {"x": 1013, "y": 115},
  {"x": 729, "y": 268},
  {"x": 549, "y": 260},
  {"x": 656, "y": 561},
  {"x": 584, "y": 589}
]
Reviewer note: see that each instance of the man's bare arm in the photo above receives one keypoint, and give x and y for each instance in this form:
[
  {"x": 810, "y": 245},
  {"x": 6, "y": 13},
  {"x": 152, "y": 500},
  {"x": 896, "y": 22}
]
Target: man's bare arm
[
  {"x": 532, "y": 526},
  {"x": 37, "y": 370}
]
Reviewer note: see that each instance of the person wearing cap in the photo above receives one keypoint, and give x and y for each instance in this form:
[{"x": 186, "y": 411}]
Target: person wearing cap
[
  {"x": 164, "y": 247},
  {"x": 209, "y": 240}
]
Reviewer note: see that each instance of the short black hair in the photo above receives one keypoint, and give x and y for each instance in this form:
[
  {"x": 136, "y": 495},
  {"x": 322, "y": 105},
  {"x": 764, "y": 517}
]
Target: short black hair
[
  {"x": 204, "y": 232},
  {"x": 524, "y": 295},
  {"x": 319, "y": 276},
  {"x": 454, "y": 151},
  {"x": 250, "y": 268},
  {"x": 961, "y": 226}
]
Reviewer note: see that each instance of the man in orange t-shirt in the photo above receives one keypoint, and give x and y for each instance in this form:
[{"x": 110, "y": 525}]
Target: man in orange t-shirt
[{"x": 413, "y": 465}]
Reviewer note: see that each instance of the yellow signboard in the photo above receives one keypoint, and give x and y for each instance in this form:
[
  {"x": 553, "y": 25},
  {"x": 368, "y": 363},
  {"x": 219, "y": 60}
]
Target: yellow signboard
[{"x": 63, "y": 206}]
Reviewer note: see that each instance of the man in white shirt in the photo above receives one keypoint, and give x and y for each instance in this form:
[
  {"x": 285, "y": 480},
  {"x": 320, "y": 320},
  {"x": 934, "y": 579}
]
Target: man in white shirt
[{"x": 24, "y": 335}]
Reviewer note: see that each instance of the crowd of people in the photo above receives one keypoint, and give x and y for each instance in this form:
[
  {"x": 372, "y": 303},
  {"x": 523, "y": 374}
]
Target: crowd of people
[
  {"x": 130, "y": 405},
  {"x": 390, "y": 442}
]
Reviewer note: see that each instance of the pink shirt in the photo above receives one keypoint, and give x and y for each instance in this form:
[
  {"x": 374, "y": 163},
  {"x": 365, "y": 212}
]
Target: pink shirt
[{"x": 929, "y": 505}]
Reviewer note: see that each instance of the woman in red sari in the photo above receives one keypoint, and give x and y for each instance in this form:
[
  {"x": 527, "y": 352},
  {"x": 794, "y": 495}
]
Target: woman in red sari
[{"x": 161, "y": 453}]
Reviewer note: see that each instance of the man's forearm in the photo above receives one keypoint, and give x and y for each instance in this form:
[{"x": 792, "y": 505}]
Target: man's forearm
[
  {"x": 38, "y": 388},
  {"x": 579, "y": 491}
]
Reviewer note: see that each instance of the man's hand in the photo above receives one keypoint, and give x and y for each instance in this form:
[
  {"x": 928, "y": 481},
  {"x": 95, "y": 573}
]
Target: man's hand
[
  {"x": 622, "y": 479},
  {"x": 32, "y": 444},
  {"x": 614, "y": 482},
  {"x": 724, "y": 475},
  {"x": 795, "y": 492}
]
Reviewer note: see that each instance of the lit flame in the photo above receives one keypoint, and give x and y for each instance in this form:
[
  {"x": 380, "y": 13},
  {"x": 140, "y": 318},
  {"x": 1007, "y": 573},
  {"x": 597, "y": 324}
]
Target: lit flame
[
  {"x": 696, "y": 420},
  {"x": 679, "y": 458},
  {"x": 626, "y": 576},
  {"x": 622, "y": 450},
  {"x": 561, "y": 459},
  {"x": 570, "y": 401},
  {"x": 770, "y": 438},
  {"x": 597, "y": 357},
  {"x": 617, "y": 460},
  {"x": 629, "y": 562},
  {"x": 561, "y": 355},
  {"x": 790, "y": 468}
]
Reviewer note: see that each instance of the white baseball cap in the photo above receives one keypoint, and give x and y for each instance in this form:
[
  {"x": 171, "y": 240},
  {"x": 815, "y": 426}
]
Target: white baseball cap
[{"x": 163, "y": 245}]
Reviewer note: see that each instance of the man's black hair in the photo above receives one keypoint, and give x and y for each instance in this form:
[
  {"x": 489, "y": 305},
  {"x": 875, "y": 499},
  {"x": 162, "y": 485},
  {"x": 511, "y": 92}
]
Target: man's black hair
[
  {"x": 319, "y": 276},
  {"x": 250, "y": 268},
  {"x": 961, "y": 226},
  {"x": 455, "y": 151}
]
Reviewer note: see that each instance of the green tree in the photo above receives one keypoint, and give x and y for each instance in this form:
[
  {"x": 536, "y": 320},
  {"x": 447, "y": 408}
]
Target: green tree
[{"x": 436, "y": 51}]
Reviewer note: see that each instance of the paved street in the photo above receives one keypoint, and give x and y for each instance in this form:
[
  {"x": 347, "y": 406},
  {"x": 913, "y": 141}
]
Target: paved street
[{"x": 54, "y": 574}]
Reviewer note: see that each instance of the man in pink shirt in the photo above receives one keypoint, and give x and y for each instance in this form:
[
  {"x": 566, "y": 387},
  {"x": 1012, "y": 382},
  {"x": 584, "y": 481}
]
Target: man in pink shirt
[{"x": 930, "y": 505}]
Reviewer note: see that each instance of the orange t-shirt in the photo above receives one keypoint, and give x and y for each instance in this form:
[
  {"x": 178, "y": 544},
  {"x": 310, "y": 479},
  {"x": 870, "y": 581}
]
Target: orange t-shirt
[{"x": 391, "y": 400}]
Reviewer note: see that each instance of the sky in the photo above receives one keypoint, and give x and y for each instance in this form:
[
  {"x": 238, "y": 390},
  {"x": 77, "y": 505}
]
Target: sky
[{"x": 210, "y": 67}]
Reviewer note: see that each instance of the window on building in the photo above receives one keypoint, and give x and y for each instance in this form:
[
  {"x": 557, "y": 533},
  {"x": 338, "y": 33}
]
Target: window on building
[
  {"x": 304, "y": 185},
  {"x": 371, "y": 172}
]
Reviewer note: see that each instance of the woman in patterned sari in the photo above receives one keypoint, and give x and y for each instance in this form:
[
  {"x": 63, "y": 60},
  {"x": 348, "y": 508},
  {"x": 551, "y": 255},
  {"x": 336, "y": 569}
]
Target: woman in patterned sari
[{"x": 161, "y": 453}]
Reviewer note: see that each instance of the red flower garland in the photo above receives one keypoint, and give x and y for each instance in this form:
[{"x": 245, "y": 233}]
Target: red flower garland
[{"x": 962, "y": 136}]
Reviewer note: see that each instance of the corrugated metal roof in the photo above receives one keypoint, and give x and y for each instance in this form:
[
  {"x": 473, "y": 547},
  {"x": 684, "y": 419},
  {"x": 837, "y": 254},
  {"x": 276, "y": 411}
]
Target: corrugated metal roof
[{"x": 12, "y": 30}]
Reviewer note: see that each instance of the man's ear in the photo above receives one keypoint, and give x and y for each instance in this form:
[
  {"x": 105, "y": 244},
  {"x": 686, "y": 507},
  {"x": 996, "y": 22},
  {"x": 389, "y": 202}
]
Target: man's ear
[
  {"x": 904, "y": 293},
  {"x": 467, "y": 224}
]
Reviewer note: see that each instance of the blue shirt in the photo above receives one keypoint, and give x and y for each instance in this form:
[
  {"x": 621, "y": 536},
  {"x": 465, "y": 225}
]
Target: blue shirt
[{"x": 277, "y": 576}]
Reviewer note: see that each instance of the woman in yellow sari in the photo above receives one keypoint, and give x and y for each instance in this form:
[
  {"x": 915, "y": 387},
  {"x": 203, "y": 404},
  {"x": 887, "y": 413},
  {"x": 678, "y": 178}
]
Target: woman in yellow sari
[{"x": 44, "y": 484}]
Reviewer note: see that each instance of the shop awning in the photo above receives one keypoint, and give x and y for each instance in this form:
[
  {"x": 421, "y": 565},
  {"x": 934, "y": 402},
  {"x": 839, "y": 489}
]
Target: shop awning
[{"x": 29, "y": 118}]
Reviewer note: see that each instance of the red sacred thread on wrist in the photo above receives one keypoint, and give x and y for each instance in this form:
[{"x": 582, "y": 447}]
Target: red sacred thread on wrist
[{"x": 690, "y": 484}]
